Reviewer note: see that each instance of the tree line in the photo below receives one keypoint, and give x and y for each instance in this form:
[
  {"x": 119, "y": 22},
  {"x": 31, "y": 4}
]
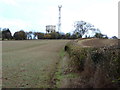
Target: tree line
[
  {"x": 22, "y": 35},
  {"x": 81, "y": 28}
]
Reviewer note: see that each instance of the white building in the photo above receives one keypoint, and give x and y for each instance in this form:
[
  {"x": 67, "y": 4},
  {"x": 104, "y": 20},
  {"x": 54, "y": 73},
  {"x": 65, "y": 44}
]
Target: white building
[{"x": 50, "y": 28}]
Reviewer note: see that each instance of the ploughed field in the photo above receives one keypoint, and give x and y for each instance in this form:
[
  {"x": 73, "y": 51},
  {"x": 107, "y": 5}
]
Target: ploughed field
[{"x": 30, "y": 63}]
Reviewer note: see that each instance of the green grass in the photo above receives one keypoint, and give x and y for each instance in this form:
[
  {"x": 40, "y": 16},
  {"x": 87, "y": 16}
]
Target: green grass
[
  {"x": 63, "y": 66},
  {"x": 62, "y": 53}
]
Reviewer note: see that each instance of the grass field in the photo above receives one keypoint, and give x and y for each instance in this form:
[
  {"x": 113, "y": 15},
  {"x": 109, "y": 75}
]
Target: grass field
[
  {"x": 30, "y": 63},
  {"x": 45, "y": 64}
]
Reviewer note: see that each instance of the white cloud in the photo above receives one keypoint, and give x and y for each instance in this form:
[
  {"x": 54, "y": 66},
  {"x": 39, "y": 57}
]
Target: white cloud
[
  {"x": 14, "y": 24},
  {"x": 36, "y": 14}
]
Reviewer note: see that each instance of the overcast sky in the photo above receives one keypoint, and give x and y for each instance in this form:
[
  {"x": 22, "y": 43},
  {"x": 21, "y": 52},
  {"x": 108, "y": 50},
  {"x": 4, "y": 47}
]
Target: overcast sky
[{"x": 34, "y": 15}]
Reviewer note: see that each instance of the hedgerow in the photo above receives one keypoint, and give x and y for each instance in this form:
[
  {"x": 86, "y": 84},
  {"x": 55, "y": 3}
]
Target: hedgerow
[{"x": 94, "y": 63}]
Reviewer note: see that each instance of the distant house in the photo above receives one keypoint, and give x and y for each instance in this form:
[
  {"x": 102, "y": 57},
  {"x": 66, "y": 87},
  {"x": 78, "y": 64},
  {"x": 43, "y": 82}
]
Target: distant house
[{"x": 50, "y": 28}]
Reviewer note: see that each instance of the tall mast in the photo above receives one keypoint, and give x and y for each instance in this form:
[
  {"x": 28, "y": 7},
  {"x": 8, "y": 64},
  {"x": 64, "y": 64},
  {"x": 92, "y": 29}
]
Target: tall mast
[{"x": 59, "y": 18}]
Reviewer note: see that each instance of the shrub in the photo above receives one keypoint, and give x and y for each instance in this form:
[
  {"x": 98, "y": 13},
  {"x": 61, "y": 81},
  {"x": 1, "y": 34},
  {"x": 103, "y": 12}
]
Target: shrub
[
  {"x": 77, "y": 55},
  {"x": 20, "y": 35},
  {"x": 99, "y": 67},
  {"x": 47, "y": 36}
]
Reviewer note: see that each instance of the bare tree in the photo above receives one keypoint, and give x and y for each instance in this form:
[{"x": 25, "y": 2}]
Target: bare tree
[{"x": 82, "y": 27}]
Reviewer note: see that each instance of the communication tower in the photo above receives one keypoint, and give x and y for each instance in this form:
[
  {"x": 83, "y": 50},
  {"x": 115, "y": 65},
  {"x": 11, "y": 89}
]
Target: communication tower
[{"x": 59, "y": 18}]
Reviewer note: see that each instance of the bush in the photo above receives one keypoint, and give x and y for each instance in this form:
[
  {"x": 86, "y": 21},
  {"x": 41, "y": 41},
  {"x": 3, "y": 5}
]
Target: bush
[
  {"x": 40, "y": 35},
  {"x": 20, "y": 35},
  {"x": 99, "y": 67},
  {"x": 47, "y": 36},
  {"x": 77, "y": 55}
]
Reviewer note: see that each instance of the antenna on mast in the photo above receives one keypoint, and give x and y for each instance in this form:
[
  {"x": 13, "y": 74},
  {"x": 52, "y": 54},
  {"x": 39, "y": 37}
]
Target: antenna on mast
[{"x": 59, "y": 18}]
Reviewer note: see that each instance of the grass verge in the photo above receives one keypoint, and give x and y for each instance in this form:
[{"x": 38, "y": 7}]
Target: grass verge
[{"x": 63, "y": 72}]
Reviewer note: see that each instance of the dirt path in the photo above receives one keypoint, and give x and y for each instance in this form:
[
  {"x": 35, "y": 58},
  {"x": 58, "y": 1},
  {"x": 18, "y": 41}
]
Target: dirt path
[{"x": 30, "y": 64}]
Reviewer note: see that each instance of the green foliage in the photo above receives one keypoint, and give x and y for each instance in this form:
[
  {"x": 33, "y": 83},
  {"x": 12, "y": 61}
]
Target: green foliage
[
  {"x": 6, "y": 34},
  {"x": 47, "y": 36},
  {"x": 40, "y": 35},
  {"x": 100, "y": 35},
  {"x": 20, "y": 35},
  {"x": 54, "y": 35},
  {"x": 78, "y": 55},
  {"x": 97, "y": 57},
  {"x": 68, "y": 35},
  {"x": 73, "y": 36},
  {"x": 62, "y": 53}
]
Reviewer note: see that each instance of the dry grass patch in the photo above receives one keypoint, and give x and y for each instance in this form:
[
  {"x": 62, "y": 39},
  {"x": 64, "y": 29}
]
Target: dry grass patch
[{"x": 30, "y": 63}]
